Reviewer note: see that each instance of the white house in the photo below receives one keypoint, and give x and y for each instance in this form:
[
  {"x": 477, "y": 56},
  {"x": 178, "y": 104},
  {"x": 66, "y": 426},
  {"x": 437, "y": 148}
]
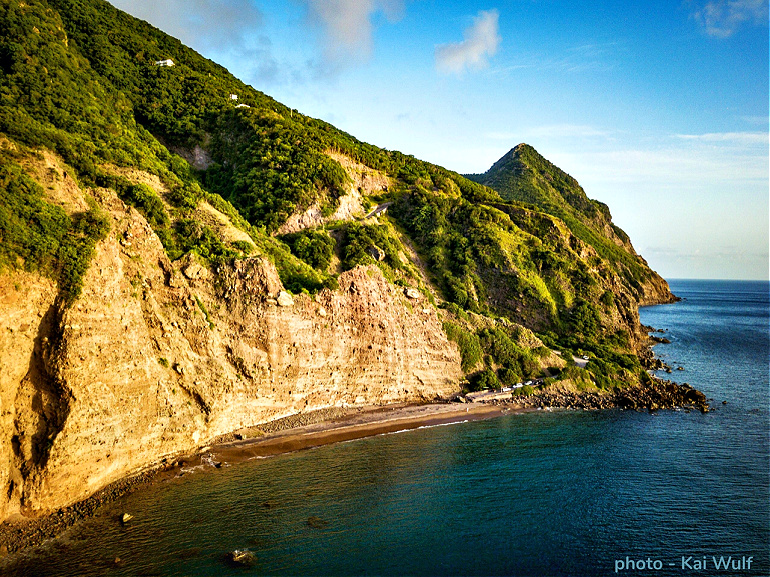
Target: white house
[
  {"x": 167, "y": 62},
  {"x": 233, "y": 97}
]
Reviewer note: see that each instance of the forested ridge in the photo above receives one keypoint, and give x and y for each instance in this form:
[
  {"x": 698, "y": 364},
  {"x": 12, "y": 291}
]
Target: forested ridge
[{"x": 519, "y": 249}]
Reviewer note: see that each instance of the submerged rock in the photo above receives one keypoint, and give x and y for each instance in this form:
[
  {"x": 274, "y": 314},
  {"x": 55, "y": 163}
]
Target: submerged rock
[
  {"x": 316, "y": 523},
  {"x": 241, "y": 558}
]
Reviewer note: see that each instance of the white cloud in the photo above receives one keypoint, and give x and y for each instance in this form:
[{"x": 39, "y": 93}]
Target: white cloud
[
  {"x": 735, "y": 137},
  {"x": 222, "y": 30},
  {"x": 722, "y": 18},
  {"x": 756, "y": 119},
  {"x": 347, "y": 24},
  {"x": 480, "y": 42},
  {"x": 199, "y": 23},
  {"x": 581, "y": 131}
]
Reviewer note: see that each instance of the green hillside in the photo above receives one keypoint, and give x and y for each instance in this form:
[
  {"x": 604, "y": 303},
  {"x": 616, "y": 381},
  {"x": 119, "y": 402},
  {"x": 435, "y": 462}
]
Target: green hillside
[
  {"x": 524, "y": 175},
  {"x": 80, "y": 79}
]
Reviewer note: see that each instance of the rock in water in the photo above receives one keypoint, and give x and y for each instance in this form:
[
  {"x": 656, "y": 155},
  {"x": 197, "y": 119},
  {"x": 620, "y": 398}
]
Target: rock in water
[
  {"x": 316, "y": 523},
  {"x": 241, "y": 558},
  {"x": 126, "y": 518}
]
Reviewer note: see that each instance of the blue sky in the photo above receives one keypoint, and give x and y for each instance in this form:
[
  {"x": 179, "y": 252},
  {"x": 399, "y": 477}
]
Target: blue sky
[{"x": 659, "y": 109}]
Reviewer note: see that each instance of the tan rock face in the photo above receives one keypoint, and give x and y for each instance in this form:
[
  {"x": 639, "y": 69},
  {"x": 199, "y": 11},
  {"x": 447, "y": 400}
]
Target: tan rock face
[
  {"x": 364, "y": 181},
  {"x": 155, "y": 358}
]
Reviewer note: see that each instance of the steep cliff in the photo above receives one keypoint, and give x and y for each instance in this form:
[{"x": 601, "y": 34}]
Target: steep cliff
[{"x": 156, "y": 357}]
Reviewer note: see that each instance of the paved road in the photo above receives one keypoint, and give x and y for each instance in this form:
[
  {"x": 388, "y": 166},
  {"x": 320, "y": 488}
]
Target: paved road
[
  {"x": 379, "y": 209},
  {"x": 580, "y": 362}
]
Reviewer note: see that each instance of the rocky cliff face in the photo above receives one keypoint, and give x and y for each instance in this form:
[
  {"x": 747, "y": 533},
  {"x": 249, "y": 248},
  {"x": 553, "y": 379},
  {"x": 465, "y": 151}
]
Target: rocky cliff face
[{"x": 158, "y": 357}]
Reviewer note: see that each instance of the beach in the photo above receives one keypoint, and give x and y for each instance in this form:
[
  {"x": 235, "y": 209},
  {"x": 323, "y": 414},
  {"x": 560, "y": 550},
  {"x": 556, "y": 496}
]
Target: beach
[{"x": 286, "y": 435}]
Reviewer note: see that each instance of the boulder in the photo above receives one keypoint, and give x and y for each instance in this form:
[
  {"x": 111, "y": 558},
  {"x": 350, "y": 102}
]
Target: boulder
[
  {"x": 195, "y": 271},
  {"x": 412, "y": 293},
  {"x": 316, "y": 523},
  {"x": 192, "y": 268},
  {"x": 285, "y": 299}
]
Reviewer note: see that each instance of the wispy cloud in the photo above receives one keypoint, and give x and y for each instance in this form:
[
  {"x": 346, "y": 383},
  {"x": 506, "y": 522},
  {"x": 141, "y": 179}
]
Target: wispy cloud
[
  {"x": 756, "y": 119},
  {"x": 586, "y": 57},
  {"x": 480, "y": 42},
  {"x": 209, "y": 23},
  {"x": 695, "y": 162},
  {"x": 551, "y": 131},
  {"x": 347, "y": 25},
  {"x": 214, "y": 27},
  {"x": 581, "y": 58},
  {"x": 568, "y": 130},
  {"x": 734, "y": 137},
  {"x": 722, "y": 18}
]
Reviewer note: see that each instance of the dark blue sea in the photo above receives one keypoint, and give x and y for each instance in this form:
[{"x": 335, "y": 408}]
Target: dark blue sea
[{"x": 563, "y": 493}]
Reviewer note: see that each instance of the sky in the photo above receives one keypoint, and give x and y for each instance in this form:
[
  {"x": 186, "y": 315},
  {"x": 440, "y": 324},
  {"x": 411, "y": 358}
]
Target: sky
[{"x": 658, "y": 108}]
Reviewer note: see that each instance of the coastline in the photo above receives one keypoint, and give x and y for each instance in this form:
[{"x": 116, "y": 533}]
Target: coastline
[
  {"x": 294, "y": 433},
  {"x": 334, "y": 425}
]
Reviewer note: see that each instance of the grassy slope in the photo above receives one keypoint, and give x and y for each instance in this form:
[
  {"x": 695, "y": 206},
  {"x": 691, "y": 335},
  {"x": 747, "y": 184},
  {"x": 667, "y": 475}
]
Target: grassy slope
[{"x": 524, "y": 175}]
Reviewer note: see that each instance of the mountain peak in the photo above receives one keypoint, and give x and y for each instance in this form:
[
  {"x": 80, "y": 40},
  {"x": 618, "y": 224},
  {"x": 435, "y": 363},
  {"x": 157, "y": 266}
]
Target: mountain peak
[{"x": 524, "y": 175}]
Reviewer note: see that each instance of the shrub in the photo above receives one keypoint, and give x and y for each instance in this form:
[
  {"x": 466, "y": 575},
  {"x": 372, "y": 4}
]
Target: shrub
[
  {"x": 508, "y": 376},
  {"x": 469, "y": 344},
  {"x": 146, "y": 201},
  {"x": 315, "y": 248},
  {"x": 359, "y": 240},
  {"x": 486, "y": 379},
  {"x": 584, "y": 319}
]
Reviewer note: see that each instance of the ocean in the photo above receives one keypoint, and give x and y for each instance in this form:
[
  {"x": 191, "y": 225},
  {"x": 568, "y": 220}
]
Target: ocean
[{"x": 549, "y": 493}]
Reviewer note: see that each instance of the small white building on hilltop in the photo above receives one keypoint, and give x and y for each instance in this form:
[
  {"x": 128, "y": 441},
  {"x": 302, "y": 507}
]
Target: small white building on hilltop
[
  {"x": 233, "y": 97},
  {"x": 167, "y": 62}
]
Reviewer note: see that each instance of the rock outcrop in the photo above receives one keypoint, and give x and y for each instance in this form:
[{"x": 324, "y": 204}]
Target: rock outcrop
[{"x": 157, "y": 357}]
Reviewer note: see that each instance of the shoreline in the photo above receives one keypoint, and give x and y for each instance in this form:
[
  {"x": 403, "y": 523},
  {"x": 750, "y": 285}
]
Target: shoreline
[
  {"x": 334, "y": 425},
  {"x": 17, "y": 534}
]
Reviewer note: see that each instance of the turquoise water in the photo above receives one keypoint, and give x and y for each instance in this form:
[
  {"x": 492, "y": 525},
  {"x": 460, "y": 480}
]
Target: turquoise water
[{"x": 547, "y": 493}]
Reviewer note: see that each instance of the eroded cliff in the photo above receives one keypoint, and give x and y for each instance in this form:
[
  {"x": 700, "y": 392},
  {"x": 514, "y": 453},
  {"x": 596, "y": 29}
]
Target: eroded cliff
[{"x": 157, "y": 357}]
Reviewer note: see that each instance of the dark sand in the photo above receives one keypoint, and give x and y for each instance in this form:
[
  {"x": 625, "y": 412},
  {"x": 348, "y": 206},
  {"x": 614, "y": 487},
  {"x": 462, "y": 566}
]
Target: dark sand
[
  {"x": 293, "y": 433},
  {"x": 367, "y": 422}
]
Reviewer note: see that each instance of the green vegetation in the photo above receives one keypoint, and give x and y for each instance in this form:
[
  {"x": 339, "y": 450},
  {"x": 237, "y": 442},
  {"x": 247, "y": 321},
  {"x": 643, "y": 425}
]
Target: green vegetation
[
  {"x": 468, "y": 342},
  {"x": 486, "y": 379},
  {"x": 517, "y": 362},
  {"x": 205, "y": 312},
  {"x": 38, "y": 236},
  {"x": 525, "y": 176},
  {"x": 79, "y": 78},
  {"x": 524, "y": 391},
  {"x": 313, "y": 247},
  {"x": 366, "y": 244}
]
